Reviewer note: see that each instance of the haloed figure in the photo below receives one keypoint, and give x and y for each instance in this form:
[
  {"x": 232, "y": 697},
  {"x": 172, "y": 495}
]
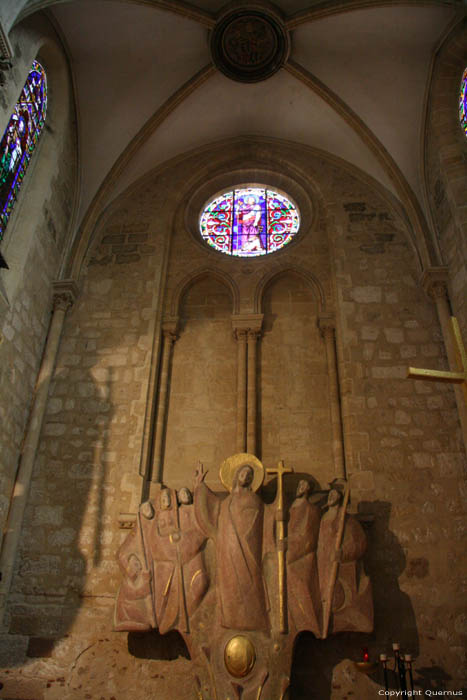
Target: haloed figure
[
  {"x": 236, "y": 525},
  {"x": 250, "y": 226}
]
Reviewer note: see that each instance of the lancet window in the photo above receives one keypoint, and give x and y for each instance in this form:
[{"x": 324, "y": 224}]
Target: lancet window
[
  {"x": 463, "y": 102},
  {"x": 20, "y": 139}
]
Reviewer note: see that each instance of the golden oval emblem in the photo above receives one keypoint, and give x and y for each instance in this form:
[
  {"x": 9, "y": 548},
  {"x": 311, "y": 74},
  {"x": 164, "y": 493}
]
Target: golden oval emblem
[{"x": 239, "y": 656}]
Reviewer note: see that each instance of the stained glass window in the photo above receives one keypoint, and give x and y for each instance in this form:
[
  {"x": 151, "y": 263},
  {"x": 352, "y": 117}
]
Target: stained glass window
[
  {"x": 249, "y": 221},
  {"x": 463, "y": 103},
  {"x": 20, "y": 138}
]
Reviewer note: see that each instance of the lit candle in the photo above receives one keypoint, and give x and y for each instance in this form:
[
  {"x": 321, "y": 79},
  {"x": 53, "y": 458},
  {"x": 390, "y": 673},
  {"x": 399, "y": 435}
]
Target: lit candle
[
  {"x": 383, "y": 657},
  {"x": 396, "y": 646},
  {"x": 366, "y": 656},
  {"x": 408, "y": 657}
]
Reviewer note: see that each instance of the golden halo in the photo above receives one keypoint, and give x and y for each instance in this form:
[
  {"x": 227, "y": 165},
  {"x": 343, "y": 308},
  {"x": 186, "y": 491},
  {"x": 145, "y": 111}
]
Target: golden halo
[{"x": 231, "y": 465}]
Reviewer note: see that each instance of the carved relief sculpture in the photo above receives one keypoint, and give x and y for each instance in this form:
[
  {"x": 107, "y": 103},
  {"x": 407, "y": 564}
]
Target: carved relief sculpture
[{"x": 217, "y": 568}]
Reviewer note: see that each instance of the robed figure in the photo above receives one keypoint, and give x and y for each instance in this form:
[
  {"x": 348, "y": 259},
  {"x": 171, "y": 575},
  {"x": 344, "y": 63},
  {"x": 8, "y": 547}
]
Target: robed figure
[
  {"x": 302, "y": 567},
  {"x": 165, "y": 578},
  {"x": 134, "y": 608},
  {"x": 235, "y": 524},
  {"x": 344, "y": 585}
]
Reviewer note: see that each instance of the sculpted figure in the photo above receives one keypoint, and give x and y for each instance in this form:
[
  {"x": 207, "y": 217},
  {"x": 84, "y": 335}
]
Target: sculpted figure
[
  {"x": 166, "y": 591},
  {"x": 302, "y": 568},
  {"x": 180, "y": 579},
  {"x": 351, "y": 602},
  {"x": 236, "y": 526},
  {"x": 277, "y": 571},
  {"x": 191, "y": 541},
  {"x": 134, "y": 609}
]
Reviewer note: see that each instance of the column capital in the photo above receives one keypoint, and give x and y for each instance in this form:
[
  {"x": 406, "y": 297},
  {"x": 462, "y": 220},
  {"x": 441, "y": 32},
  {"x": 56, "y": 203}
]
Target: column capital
[
  {"x": 327, "y": 324},
  {"x": 240, "y": 334},
  {"x": 64, "y": 295},
  {"x": 170, "y": 327},
  {"x": 434, "y": 282},
  {"x": 253, "y": 334},
  {"x": 247, "y": 322}
]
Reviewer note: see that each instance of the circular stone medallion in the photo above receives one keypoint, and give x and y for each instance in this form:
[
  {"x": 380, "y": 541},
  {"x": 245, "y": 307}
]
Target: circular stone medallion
[
  {"x": 239, "y": 656},
  {"x": 249, "y": 46}
]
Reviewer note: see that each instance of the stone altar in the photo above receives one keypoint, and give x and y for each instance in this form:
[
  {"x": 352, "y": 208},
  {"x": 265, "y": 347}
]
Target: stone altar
[{"x": 239, "y": 578}]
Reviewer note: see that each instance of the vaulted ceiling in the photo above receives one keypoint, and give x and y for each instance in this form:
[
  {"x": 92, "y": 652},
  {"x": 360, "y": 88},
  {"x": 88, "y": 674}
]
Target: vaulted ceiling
[{"x": 146, "y": 89}]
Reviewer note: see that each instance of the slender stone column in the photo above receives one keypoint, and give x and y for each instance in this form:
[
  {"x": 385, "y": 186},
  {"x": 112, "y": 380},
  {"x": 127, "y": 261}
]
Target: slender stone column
[
  {"x": 241, "y": 336},
  {"x": 247, "y": 329},
  {"x": 253, "y": 336},
  {"x": 434, "y": 282},
  {"x": 65, "y": 293},
  {"x": 327, "y": 326},
  {"x": 169, "y": 334}
]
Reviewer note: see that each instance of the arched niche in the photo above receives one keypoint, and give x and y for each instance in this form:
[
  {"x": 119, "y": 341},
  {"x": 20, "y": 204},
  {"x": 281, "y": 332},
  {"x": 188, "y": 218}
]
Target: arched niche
[
  {"x": 294, "y": 398},
  {"x": 201, "y": 412}
]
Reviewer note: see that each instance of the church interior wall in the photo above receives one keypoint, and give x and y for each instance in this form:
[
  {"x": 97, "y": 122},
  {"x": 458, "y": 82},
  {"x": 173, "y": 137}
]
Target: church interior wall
[
  {"x": 36, "y": 238},
  {"x": 402, "y": 439},
  {"x": 404, "y": 449},
  {"x": 293, "y": 368},
  {"x": 201, "y": 420},
  {"x": 446, "y": 167}
]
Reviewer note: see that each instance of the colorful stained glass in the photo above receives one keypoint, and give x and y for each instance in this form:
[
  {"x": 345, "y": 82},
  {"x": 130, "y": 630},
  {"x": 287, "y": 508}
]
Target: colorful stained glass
[
  {"x": 20, "y": 138},
  {"x": 249, "y": 221},
  {"x": 463, "y": 103}
]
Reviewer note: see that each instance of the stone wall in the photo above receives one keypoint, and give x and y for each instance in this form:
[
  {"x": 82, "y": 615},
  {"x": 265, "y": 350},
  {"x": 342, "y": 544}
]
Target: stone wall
[
  {"x": 201, "y": 421},
  {"x": 34, "y": 245},
  {"x": 293, "y": 368},
  {"x": 446, "y": 167},
  {"x": 402, "y": 439}
]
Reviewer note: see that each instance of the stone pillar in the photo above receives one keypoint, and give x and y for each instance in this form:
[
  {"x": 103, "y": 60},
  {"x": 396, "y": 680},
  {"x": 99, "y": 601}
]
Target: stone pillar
[
  {"x": 64, "y": 295},
  {"x": 327, "y": 326},
  {"x": 252, "y": 411},
  {"x": 241, "y": 336},
  {"x": 434, "y": 282},
  {"x": 247, "y": 330},
  {"x": 169, "y": 334}
]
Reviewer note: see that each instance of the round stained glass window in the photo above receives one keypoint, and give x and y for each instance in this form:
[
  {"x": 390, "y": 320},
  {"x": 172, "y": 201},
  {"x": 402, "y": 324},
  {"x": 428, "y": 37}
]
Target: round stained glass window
[
  {"x": 249, "y": 221},
  {"x": 463, "y": 102}
]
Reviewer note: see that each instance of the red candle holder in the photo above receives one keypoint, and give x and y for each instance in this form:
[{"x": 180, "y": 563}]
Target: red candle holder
[{"x": 366, "y": 666}]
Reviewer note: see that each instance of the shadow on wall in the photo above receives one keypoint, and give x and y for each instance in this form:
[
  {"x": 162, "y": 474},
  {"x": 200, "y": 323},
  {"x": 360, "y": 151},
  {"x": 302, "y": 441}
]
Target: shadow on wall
[
  {"x": 314, "y": 663},
  {"x": 64, "y": 525}
]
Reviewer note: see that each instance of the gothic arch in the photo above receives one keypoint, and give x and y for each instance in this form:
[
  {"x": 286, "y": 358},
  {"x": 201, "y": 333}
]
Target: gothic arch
[
  {"x": 272, "y": 276},
  {"x": 196, "y": 276},
  {"x": 445, "y": 165},
  {"x": 444, "y": 139}
]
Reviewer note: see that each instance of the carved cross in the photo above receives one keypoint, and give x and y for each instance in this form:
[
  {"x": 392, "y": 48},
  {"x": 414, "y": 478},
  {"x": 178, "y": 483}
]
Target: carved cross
[{"x": 434, "y": 375}]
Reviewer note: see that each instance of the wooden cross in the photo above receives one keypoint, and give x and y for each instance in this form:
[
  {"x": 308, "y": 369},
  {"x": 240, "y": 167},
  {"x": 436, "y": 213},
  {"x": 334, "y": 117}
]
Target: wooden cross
[{"x": 434, "y": 375}]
